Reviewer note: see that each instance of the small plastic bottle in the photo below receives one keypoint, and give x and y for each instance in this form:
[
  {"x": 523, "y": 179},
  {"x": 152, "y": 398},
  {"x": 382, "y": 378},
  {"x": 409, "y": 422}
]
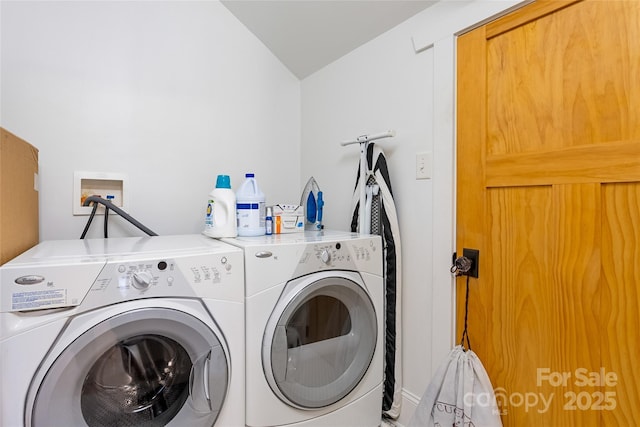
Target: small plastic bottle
[
  {"x": 220, "y": 218},
  {"x": 268, "y": 221}
]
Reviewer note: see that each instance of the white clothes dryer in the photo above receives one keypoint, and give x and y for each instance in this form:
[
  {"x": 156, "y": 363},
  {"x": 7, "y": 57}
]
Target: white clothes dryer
[
  {"x": 123, "y": 332},
  {"x": 314, "y": 322}
]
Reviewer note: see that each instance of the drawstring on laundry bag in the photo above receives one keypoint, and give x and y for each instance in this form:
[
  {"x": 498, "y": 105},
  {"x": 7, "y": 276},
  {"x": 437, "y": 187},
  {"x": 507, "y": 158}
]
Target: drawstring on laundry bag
[
  {"x": 461, "y": 267},
  {"x": 465, "y": 332}
]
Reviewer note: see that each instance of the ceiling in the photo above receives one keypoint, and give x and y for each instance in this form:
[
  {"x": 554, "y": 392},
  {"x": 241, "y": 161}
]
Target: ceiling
[{"x": 306, "y": 35}]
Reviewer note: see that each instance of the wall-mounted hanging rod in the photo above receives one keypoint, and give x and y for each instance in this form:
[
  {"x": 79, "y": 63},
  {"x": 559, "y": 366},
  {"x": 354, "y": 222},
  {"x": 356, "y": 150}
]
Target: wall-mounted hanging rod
[
  {"x": 367, "y": 138},
  {"x": 364, "y": 141}
]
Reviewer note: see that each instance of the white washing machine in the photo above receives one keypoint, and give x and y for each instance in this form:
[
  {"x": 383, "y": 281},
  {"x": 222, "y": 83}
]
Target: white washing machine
[
  {"x": 314, "y": 329},
  {"x": 123, "y": 332}
]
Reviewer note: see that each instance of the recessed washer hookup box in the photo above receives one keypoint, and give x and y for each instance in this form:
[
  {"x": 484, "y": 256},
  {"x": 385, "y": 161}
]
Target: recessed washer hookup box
[{"x": 288, "y": 219}]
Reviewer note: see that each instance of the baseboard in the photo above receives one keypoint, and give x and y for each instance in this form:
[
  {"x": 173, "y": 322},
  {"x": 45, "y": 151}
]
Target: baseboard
[{"x": 409, "y": 404}]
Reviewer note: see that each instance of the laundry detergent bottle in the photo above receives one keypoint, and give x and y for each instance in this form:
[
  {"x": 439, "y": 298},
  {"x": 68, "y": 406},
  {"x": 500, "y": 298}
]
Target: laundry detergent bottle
[
  {"x": 220, "y": 218},
  {"x": 250, "y": 208}
]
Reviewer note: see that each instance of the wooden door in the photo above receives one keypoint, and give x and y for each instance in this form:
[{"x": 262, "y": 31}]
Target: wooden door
[{"x": 548, "y": 190}]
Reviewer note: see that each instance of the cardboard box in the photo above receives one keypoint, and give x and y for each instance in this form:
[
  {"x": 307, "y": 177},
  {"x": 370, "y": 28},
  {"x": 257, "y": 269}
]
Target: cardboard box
[
  {"x": 19, "y": 228},
  {"x": 288, "y": 219}
]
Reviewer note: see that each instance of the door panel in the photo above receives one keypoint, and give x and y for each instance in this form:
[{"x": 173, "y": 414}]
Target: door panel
[
  {"x": 565, "y": 79},
  {"x": 548, "y": 161},
  {"x": 621, "y": 299},
  {"x": 542, "y": 275}
]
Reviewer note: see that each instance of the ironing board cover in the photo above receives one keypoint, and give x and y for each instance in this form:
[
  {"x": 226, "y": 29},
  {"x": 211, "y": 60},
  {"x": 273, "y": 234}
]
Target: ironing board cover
[{"x": 384, "y": 222}]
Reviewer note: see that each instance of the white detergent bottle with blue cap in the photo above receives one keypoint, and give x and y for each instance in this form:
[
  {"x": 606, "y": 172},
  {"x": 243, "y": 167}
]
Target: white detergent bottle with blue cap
[
  {"x": 250, "y": 208},
  {"x": 220, "y": 218}
]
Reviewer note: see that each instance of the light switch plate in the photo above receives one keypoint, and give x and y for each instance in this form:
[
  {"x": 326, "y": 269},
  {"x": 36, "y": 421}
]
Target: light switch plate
[{"x": 423, "y": 165}]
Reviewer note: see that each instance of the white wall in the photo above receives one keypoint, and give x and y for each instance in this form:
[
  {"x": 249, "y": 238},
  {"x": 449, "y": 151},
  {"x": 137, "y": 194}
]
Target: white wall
[
  {"x": 382, "y": 85},
  {"x": 169, "y": 93},
  {"x": 403, "y": 80},
  {"x": 173, "y": 93}
]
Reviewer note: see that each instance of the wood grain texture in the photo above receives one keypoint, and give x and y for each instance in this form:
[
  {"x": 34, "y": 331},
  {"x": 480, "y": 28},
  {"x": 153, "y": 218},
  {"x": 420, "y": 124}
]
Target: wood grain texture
[
  {"x": 549, "y": 191},
  {"x": 519, "y": 334},
  {"x": 471, "y": 190},
  {"x": 575, "y": 267},
  {"x": 545, "y": 270},
  {"x": 566, "y": 79},
  {"x": 471, "y": 127},
  {"x": 604, "y": 162},
  {"x": 527, "y": 14},
  {"x": 621, "y": 300}
]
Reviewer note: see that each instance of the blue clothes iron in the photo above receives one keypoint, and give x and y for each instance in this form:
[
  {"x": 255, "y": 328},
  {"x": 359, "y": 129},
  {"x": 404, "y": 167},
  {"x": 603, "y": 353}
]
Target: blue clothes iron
[
  {"x": 313, "y": 204},
  {"x": 320, "y": 203}
]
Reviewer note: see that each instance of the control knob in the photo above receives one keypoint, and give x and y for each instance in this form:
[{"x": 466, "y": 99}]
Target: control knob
[
  {"x": 325, "y": 256},
  {"x": 141, "y": 280}
]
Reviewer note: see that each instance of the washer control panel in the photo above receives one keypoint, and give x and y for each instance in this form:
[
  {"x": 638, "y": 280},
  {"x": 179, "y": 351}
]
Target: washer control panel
[
  {"x": 139, "y": 276},
  {"x": 207, "y": 275},
  {"x": 99, "y": 272}
]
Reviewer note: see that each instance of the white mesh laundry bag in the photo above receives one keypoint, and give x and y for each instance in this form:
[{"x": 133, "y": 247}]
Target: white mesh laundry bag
[{"x": 460, "y": 394}]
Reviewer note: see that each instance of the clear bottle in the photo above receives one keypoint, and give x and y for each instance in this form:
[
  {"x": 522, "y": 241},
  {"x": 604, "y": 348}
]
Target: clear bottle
[
  {"x": 250, "y": 208},
  {"x": 220, "y": 218},
  {"x": 268, "y": 221}
]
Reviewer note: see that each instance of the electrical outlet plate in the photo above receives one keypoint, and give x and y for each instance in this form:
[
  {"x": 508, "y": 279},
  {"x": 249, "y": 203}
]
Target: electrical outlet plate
[{"x": 106, "y": 185}]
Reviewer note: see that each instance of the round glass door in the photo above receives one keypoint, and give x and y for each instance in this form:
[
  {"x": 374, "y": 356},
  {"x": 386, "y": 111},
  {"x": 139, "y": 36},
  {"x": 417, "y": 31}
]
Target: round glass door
[
  {"x": 320, "y": 340},
  {"x": 142, "y": 380},
  {"x": 144, "y": 367}
]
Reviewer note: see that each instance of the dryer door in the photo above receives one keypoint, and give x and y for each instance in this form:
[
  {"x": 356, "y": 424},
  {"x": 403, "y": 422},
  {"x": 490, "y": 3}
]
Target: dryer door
[
  {"x": 320, "y": 339},
  {"x": 143, "y": 367}
]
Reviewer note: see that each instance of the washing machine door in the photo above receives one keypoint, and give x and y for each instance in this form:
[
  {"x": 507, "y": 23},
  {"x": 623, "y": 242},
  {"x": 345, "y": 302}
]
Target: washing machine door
[
  {"x": 320, "y": 339},
  {"x": 143, "y": 367}
]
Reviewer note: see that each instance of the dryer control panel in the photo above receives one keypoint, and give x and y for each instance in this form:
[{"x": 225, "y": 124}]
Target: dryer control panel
[{"x": 364, "y": 255}]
